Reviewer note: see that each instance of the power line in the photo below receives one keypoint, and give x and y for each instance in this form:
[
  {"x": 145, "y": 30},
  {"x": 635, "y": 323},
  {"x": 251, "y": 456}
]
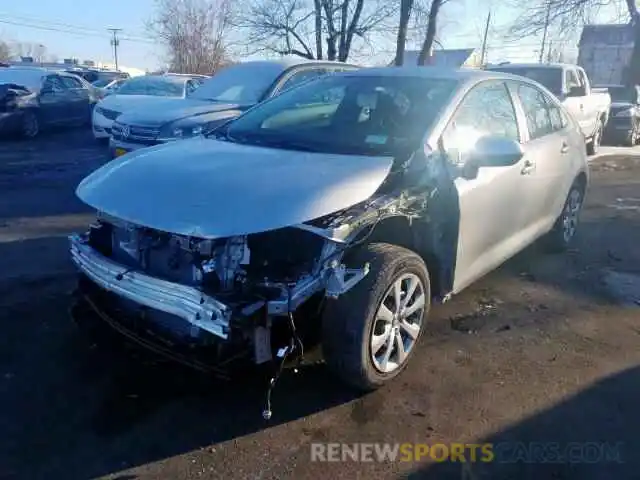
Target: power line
[
  {"x": 88, "y": 32},
  {"x": 32, "y": 20}
]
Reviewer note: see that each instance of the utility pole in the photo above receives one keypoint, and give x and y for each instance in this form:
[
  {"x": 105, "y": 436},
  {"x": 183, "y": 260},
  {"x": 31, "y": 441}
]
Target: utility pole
[
  {"x": 483, "y": 55},
  {"x": 115, "y": 42},
  {"x": 544, "y": 33}
]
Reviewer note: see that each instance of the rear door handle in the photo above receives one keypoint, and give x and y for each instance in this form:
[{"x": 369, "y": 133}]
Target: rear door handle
[
  {"x": 527, "y": 168},
  {"x": 564, "y": 148}
]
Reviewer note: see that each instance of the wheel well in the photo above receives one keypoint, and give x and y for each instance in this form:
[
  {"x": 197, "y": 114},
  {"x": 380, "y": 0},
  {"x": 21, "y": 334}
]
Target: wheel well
[{"x": 400, "y": 231}]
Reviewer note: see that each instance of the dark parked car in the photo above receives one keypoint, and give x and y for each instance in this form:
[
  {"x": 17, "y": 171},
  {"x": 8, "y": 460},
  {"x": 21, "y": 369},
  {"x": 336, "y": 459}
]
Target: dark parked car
[
  {"x": 624, "y": 123},
  {"x": 94, "y": 75},
  {"x": 223, "y": 97},
  {"x": 35, "y": 98}
]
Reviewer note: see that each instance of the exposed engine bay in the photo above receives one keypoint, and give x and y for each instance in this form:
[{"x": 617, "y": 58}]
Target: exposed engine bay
[{"x": 231, "y": 290}]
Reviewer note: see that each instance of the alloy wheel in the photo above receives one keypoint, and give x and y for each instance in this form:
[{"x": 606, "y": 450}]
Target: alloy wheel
[
  {"x": 570, "y": 214},
  {"x": 397, "y": 323}
]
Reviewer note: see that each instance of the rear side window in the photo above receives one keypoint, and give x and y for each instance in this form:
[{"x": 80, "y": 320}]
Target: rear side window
[
  {"x": 302, "y": 76},
  {"x": 536, "y": 110},
  {"x": 571, "y": 79},
  {"x": 71, "y": 82}
]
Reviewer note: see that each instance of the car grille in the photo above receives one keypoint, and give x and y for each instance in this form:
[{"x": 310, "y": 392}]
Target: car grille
[
  {"x": 110, "y": 114},
  {"x": 135, "y": 134}
]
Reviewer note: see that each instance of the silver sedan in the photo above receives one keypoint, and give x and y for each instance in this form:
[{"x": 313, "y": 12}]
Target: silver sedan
[{"x": 383, "y": 190}]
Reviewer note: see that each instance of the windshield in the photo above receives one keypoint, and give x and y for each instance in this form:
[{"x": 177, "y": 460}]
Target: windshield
[
  {"x": 551, "y": 78},
  {"x": 623, "y": 94},
  {"x": 31, "y": 79},
  {"x": 244, "y": 83},
  {"x": 354, "y": 115},
  {"x": 154, "y": 86}
]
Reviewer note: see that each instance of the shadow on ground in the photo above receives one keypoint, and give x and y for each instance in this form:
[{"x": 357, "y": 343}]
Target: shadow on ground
[{"x": 595, "y": 430}]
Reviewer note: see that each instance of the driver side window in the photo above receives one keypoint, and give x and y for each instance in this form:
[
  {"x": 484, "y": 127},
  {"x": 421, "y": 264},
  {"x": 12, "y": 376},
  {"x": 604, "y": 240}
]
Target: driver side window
[
  {"x": 53, "y": 84},
  {"x": 487, "y": 109}
]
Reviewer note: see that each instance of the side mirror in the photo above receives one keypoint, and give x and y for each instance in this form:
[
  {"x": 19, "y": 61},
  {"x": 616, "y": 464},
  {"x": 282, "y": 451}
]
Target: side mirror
[
  {"x": 46, "y": 91},
  {"x": 577, "y": 91},
  {"x": 491, "y": 151}
]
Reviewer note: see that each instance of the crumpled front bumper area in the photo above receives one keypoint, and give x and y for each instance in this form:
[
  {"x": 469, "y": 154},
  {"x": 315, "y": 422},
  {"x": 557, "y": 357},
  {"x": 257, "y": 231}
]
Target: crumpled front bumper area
[{"x": 186, "y": 302}]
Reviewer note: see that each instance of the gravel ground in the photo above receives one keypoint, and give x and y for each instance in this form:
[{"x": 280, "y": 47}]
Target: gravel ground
[{"x": 543, "y": 350}]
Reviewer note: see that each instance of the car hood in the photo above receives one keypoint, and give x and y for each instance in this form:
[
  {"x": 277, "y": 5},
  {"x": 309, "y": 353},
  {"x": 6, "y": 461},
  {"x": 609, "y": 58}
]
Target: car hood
[
  {"x": 125, "y": 103},
  {"x": 158, "y": 114},
  {"x": 208, "y": 188}
]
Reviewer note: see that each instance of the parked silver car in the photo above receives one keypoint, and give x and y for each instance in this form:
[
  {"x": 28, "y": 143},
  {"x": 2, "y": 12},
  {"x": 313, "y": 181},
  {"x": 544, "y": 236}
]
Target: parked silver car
[{"x": 349, "y": 203}]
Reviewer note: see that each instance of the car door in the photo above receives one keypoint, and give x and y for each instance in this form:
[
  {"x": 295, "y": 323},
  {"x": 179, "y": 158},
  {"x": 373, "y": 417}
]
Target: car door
[
  {"x": 52, "y": 101},
  {"x": 78, "y": 99},
  {"x": 548, "y": 147},
  {"x": 575, "y": 105},
  {"x": 490, "y": 217}
]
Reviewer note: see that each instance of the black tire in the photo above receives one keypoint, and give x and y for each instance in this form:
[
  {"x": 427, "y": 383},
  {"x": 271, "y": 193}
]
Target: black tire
[
  {"x": 561, "y": 236},
  {"x": 348, "y": 321},
  {"x": 632, "y": 138},
  {"x": 594, "y": 145},
  {"x": 30, "y": 126}
]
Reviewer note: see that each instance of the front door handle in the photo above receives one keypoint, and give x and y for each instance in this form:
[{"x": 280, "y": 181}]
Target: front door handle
[
  {"x": 527, "y": 168},
  {"x": 564, "y": 148}
]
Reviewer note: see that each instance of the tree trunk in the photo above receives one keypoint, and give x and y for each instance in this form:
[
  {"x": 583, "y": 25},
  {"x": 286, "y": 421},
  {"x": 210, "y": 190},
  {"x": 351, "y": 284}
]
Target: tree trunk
[
  {"x": 431, "y": 31},
  {"x": 353, "y": 26},
  {"x": 401, "y": 39},
  {"x": 342, "y": 43},
  {"x": 318, "y": 26}
]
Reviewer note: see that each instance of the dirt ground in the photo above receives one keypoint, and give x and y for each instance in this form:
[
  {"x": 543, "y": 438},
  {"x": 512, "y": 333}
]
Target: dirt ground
[{"x": 546, "y": 349}]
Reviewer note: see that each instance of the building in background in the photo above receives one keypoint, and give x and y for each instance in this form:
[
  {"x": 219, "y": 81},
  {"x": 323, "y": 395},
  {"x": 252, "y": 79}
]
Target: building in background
[
  {"x": 447, "y": 57},
  {"x": 604, "y": 52},
  {"x": 74, "y": 63}
]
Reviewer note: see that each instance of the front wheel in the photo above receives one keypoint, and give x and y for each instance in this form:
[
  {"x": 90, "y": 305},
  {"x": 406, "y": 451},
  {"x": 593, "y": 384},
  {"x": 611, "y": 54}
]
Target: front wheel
[
  {"x": 370, "y": 332},
  {"x": 30, "y": 124},
  {"x": 594, "y": 145}
]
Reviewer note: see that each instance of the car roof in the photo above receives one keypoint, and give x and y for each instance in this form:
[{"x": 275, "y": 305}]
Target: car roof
[
  {"x": 426, "y": 72},
  {"x": 531, "y": 65},
  {"x": 293, "y": 61}
]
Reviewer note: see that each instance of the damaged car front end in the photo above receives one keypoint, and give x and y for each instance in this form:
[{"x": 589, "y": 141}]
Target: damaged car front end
[{"x": 236, "y": 245}]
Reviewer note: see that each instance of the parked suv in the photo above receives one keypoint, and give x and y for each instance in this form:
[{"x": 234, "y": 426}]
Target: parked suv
[
  {"x": 624, "y": 123},
  {"x": 223, "y": 97}
]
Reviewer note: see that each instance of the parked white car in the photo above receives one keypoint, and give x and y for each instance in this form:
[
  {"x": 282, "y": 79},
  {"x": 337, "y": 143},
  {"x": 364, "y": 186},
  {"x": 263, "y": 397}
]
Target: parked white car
[
  {"x": 589, "y": 106},
  {"x": 345, "y": 205},
  {"x": 139, "y": 92}
]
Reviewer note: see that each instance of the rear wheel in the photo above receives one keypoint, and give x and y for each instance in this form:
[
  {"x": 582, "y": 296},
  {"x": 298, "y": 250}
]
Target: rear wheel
[
  {"x": 370, "y": 332},
  {"x": 564, "y": 230},
  {"x": 30, "y": 124}
]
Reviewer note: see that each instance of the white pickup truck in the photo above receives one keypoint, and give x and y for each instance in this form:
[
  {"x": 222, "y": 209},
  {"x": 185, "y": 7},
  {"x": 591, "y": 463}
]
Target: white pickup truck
[{"x": 589, "y": 106}]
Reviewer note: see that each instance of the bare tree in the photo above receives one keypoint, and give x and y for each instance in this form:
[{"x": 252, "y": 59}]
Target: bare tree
[
  {"x": 406, "y": 7},
  {"x": 5, "y": 51},
  {"x": 38, "y": 52},
  {"x": 23, "y": 49},
  {"x": 193, "y": 32},
  {"x": 568, "y": 15},
  {"x": 306, "y": 27},
  {"x": 432, "y": 25}
]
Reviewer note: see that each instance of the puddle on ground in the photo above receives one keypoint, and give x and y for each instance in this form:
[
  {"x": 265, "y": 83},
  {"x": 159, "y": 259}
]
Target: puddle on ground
[{"x": 625, "y": 287}]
